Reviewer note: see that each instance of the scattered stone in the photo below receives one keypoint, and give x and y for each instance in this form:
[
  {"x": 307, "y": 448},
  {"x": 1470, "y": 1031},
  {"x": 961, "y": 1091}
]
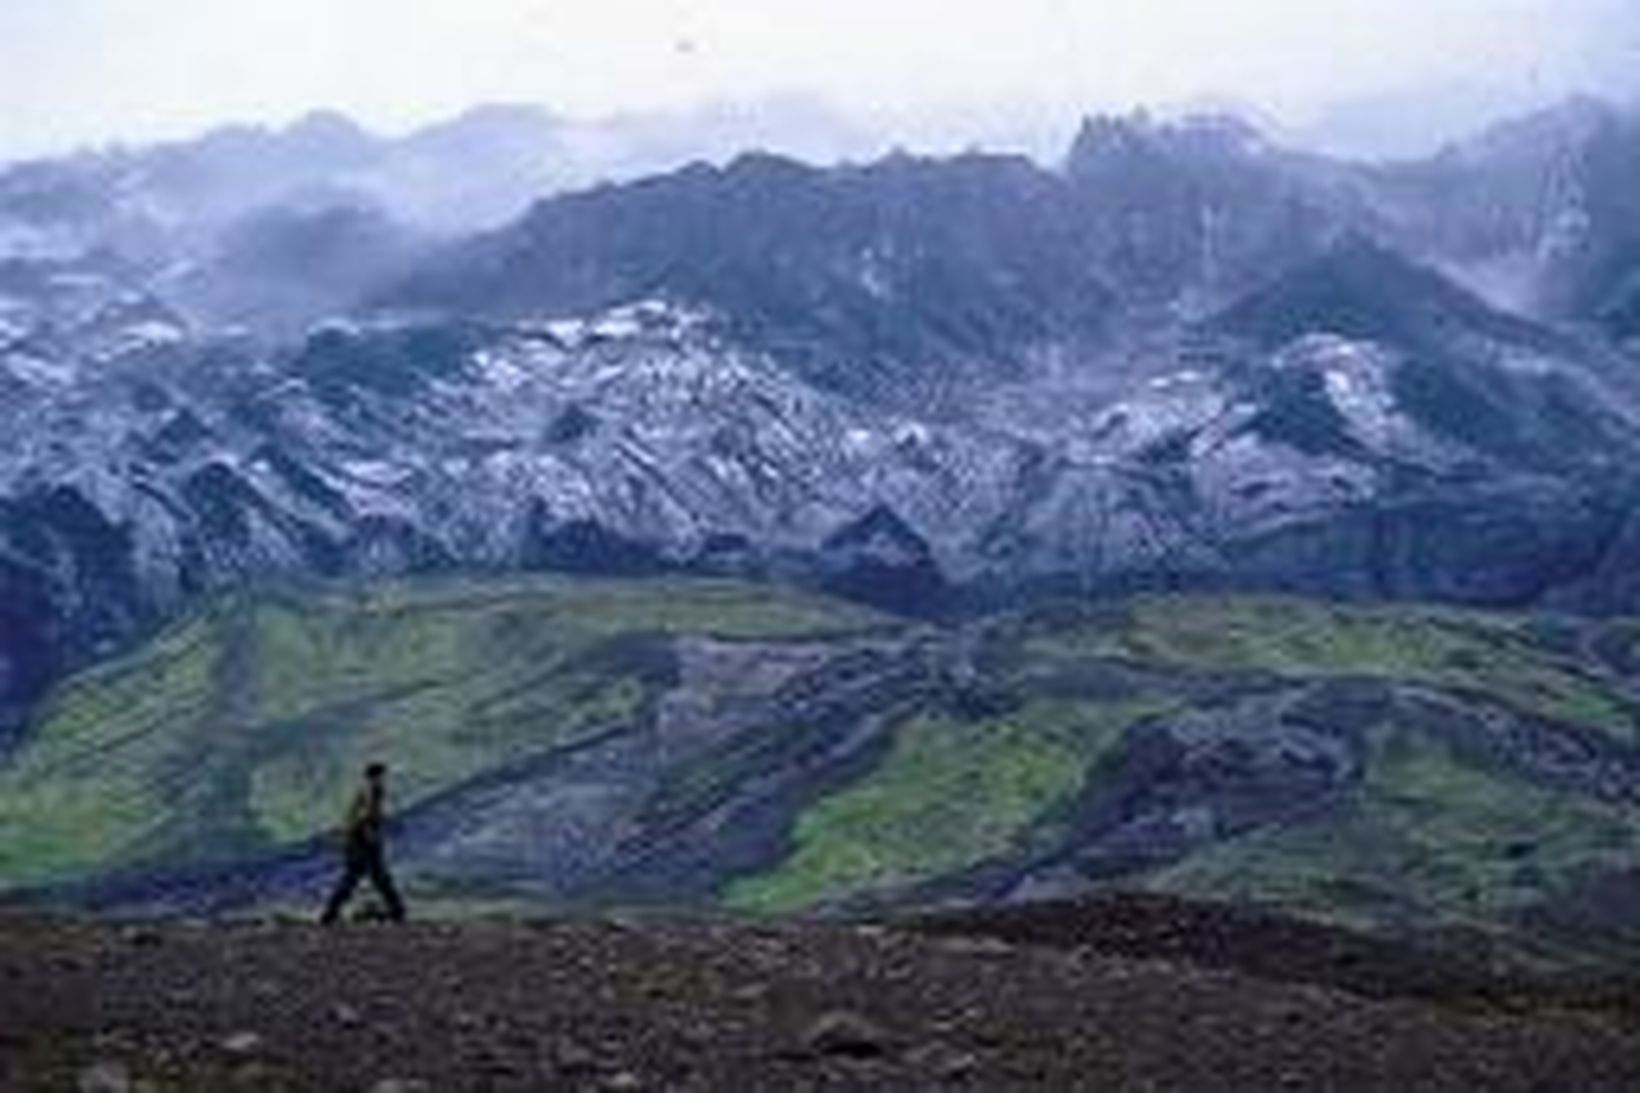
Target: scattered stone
[
  {"x": 105, "y": 1077},
  {"x": 143, "y": 937},
  {"x": 520, "y": 1040},
  {"x": 399, "y": 1085},
  {"x": 241, "y": 1043},
  {"x": 845, "y": 1018},
  {"x": 254, "y": 1075},
  {"x": 846, "y": 1034},
  {"x": 113, "y": 1039},
  {"x": 956, "y": 1066},
  {"x": 943, "y": 1061},
  {"x": 751, "y": 992},
  {"x": 977, "y": 946},
  {"x": 493, "y": 1064},
  {"x": 572, "y": 1057}
]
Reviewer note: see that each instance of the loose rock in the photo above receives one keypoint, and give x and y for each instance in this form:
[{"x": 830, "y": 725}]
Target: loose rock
[
  {"x": 847, "y": 1034},
  {"x": 943, "y": 1061},
  {"x": 105, "y": 1077},
  {"x": 571, "y": 1057},
  {"x": 241, "y": 1043},
  {"x": 399, "y": 1085}
]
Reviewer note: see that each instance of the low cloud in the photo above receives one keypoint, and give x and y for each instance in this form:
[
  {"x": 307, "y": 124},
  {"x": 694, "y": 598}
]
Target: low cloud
[{"x": 94, "y": 70}]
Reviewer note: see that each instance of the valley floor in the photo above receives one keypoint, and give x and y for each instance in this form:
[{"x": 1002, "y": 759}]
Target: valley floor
[{"x": 606, "y": 1005}]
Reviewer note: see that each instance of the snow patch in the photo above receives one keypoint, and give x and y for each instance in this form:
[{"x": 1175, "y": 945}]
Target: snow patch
[
  {"x": 375, "y": 472},
  {"x": 149, "y": 334},
  {"x": 646, "y": 318},
  {"x": 1356, "y": 377},
  {"x": 38, "y": 371}
]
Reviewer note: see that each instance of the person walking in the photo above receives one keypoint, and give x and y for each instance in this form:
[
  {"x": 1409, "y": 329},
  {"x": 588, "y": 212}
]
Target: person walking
[{"x": 364, "y": 848}]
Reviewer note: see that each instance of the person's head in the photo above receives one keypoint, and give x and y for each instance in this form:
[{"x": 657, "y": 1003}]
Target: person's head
[{"x": 375, "y": 772}]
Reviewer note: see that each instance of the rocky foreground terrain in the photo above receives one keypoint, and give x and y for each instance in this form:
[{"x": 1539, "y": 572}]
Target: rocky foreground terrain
[{"x": 1125, "y": 993}]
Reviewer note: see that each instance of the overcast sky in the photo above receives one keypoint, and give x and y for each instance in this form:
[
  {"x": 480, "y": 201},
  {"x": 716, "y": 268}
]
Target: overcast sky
[{"x": 76, "y": 71}]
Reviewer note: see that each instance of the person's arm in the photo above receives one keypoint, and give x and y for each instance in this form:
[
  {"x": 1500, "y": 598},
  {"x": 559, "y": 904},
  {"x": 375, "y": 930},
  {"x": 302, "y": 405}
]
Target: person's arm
[{"x": 358, "y": 816}]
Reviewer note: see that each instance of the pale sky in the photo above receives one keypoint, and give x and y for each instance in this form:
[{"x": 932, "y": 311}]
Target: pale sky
[{"x": 78, "y": 71}]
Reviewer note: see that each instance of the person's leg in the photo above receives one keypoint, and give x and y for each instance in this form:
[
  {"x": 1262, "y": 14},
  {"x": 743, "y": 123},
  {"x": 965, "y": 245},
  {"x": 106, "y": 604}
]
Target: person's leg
[
  {"x": 383, "y": 881},
  {"x": 352, "y": 873}
]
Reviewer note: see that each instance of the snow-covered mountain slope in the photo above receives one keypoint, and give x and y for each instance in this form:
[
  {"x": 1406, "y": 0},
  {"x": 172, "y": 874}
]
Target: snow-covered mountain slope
[
  {"x": 1459, "y": 456},
  {"x": 932, "y": 383}
]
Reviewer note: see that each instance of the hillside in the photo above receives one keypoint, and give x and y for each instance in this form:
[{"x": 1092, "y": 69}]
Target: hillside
[
  {"x": 234, "y": 733},
  {"x": 689, "y": 744}
]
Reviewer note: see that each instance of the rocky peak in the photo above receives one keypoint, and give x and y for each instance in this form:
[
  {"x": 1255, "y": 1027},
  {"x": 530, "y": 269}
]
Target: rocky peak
[
  {"x": 328, "y": 133},
  {"x": 904, "y": 275},
  {"x": 1107, "y": 145}
]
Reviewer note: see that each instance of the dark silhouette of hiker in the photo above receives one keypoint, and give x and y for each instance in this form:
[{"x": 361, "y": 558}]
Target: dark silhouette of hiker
[{"x": 364, "y": 848}]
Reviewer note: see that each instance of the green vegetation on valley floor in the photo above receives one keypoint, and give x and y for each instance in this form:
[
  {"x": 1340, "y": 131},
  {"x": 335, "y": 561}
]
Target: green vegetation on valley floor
[
  {"x": 1486, "y": 778},
  {"x": 243, "y": 728},
  {"x": 1468, "y": 650},
  {"x": 949, "y": 795},
  {"x": 1428, "y": 836}
]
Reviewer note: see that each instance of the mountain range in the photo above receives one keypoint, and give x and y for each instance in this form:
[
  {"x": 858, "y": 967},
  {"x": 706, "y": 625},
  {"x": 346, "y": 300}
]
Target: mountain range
[
  {"x": 1182, "y": 360},
  {"x": 1182, "y": 356}
]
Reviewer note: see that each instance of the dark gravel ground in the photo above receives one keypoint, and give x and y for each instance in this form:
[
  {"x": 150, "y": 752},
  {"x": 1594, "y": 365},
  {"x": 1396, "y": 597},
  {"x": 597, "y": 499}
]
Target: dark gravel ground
[{"x": 513, "y": 1005}]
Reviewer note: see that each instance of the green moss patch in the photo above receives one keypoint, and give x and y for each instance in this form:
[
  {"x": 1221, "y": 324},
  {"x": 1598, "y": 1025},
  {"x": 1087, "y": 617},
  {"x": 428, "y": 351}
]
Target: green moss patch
[
  {"x": 949, "y": 795},
  {"x": 95, "y": 785},
  {"x": 245, "y": 728},
  {"x": 1474, "y": 652},
  {"x": 1428, "y": 837}
]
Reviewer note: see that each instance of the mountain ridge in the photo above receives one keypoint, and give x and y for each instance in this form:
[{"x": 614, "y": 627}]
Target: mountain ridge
[{"x": 999, "y": 370}]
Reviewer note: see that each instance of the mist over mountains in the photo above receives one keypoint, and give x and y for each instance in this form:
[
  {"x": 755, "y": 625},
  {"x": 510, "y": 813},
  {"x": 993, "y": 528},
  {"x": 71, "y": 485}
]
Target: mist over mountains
[{"x": 1181, "y": 355}]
